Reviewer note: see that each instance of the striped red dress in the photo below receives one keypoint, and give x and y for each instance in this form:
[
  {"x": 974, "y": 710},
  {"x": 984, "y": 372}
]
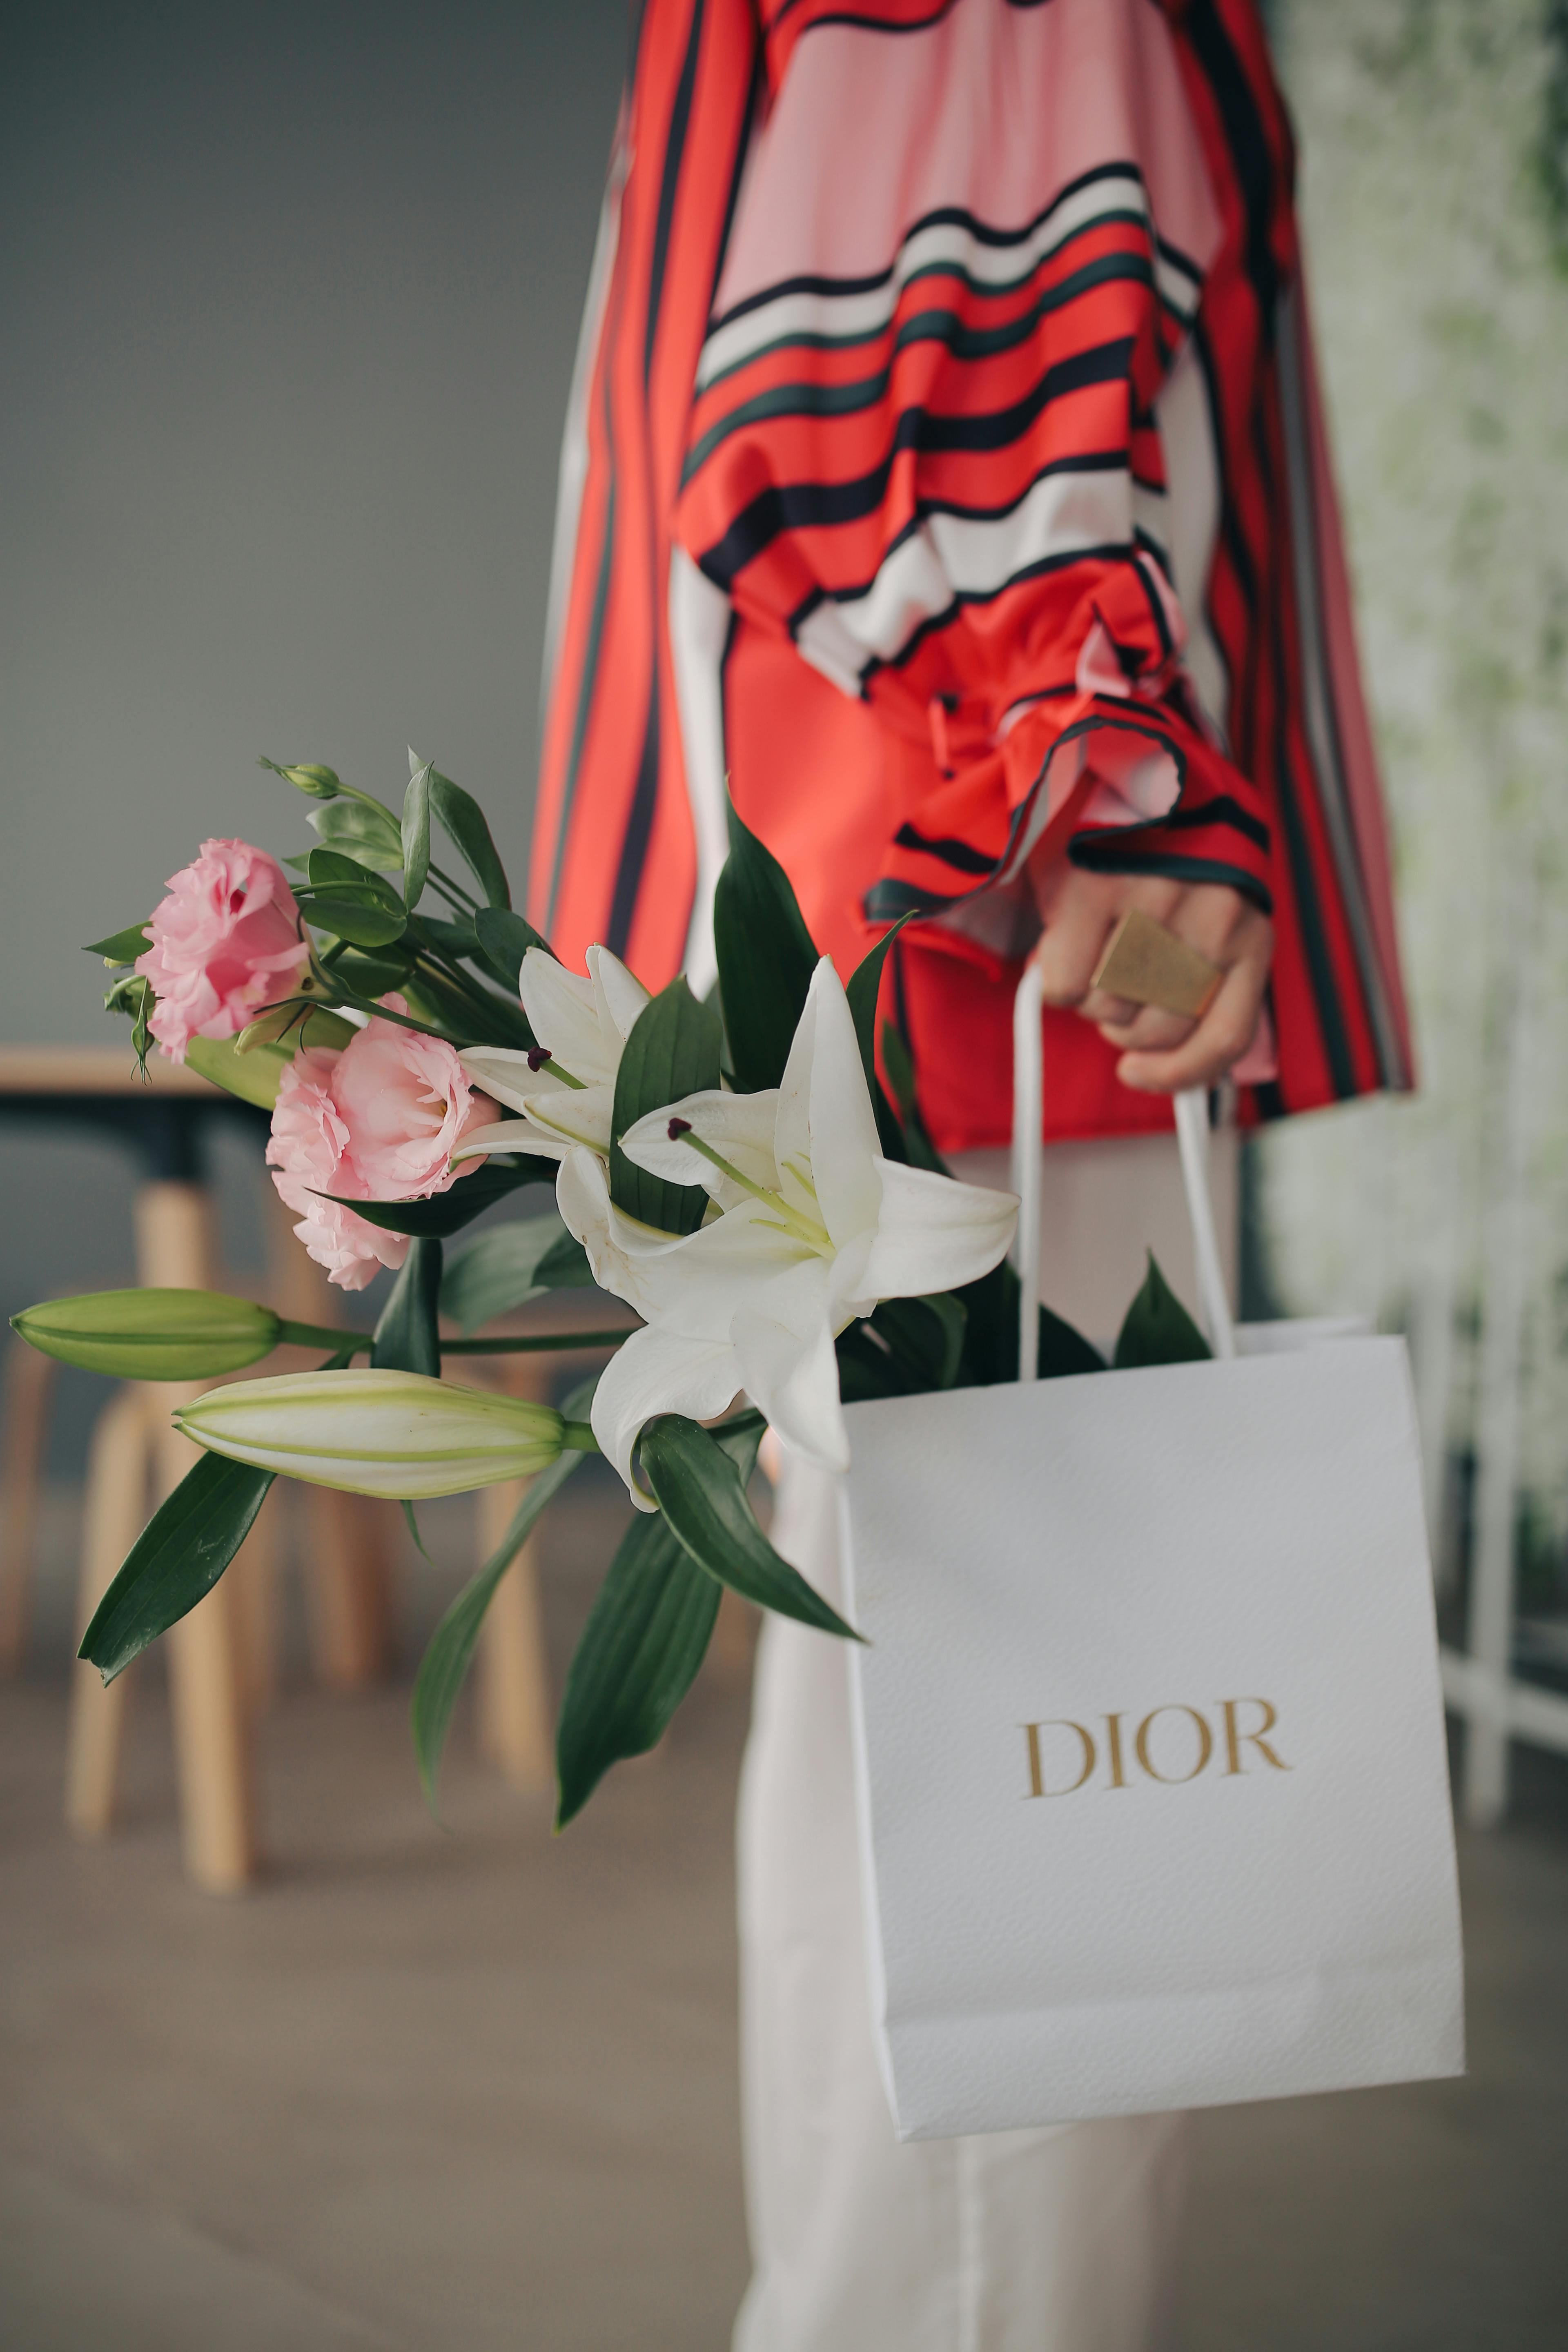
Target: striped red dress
[{"x": 946, "y": 471}]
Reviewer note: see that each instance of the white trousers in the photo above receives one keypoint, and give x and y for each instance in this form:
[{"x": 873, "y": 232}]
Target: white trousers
[{"x": 1061, "y": 2239}]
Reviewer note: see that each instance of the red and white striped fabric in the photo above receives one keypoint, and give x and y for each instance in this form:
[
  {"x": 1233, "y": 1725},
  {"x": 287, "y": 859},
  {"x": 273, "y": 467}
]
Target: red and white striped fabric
[{"x": 946, "y": 471}]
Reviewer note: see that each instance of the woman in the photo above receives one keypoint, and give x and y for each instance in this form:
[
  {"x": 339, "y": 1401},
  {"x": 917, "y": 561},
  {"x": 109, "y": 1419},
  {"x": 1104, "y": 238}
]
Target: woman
[{"x": 945, "y": 472}]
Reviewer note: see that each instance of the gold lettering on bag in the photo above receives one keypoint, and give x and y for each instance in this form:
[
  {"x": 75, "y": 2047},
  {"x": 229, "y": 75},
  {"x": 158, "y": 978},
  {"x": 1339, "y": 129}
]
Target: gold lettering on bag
[
  {"x": 1206, "y": 1745},
  {"x": 1036, "y": 1775},
  {"x": 1234, "y": 1737}
]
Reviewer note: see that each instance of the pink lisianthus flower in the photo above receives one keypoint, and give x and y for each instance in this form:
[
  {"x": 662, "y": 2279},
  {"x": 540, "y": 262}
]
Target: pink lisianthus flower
[
  {"x": 374, "y": 1121},
  {"x": 226, "y": 942}
]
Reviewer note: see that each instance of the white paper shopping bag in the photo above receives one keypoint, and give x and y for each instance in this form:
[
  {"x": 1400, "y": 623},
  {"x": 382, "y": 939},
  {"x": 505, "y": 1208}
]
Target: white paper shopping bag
[{"x": 1149, "y": 1746}]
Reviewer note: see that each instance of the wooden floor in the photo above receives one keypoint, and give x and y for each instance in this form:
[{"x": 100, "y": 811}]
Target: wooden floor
[{"x": 448, "y": 2089}]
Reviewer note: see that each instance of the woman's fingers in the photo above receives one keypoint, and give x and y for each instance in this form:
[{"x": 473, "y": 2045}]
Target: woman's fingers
[{"x": 1220, "y": 1038}]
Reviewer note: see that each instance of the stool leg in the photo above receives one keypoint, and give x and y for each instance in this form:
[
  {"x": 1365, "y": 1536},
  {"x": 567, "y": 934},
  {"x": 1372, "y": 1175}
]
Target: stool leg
[
  {"x": 206, "y": 1685},
  {"x": 516, "y": 1730},
  {"x": 347, "y": 1589},
  {"x": 29, "y": 1379},
  {"x": 347, "y": 1553},
  {"x": 116, "y": 1510},
  {"x": 252, "y": 1578},
  {"x": 512, "y": 1691}
]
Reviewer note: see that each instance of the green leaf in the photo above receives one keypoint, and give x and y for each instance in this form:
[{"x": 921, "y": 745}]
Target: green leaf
[
  {"x": 1064, "y": 1352},
  {"x": 672, "y": 1051},
  {"x": 865, "y": 985},
  {"x": 359, "y": 831},
  {"x": 453, "y": 938},
  {"x": 407, "y": 1337},
  {"x": 926, "y": 1335},
  {"x": 176, "y": 1560},
  {"x": 766, "y": 957},
  {"x": 445, "y": 1661},
  {"x": 121, "y": 947},
  {"x": 465, "y": 821},
  {"x": 504, "y": 940},
  {"x": 922, "y": 1152},
  {"x": 447, "y": 1212},
  {"x": 646, "y": 1637},
  {"x": 1158, "y": 1328},
  {"x": 867, "y": 1366},
  {"x": 347, "y": 899},
  {"x": 509, "y": 1265},
  {"x": 253, "y": 1077},
  {"x": 698, "y": 1488},
  {"x": 372, "y": 976},
  {"x": 416, "y": 835}
]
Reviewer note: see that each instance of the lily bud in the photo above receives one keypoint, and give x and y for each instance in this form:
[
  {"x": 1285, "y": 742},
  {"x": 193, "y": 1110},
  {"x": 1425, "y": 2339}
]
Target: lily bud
[
  {"x": 377, "y": 1433},
  {"x": 152, "y": 1335}
]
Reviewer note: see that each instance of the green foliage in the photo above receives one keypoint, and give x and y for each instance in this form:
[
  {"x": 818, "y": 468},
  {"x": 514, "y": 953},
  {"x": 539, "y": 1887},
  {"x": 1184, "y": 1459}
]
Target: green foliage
[
  {"x": 121, "y": 947},
  {"x": 408, "y": 1338},
  {"x": 347, "y": 899},
  {"x": 1158, "y": 1328},
  {"x": 766, "y": 957},
  {"x": 509, "y": 1265},
  {"x": 360, "y": 830},
  {"x": 919, "y": 1148},
  {"x": 318, "y": 784},
  {"x": 673, "y": 1050},
  {"x": 447, "y": 1212},
  {"x": 176, "y": 1560},
  {"x": 464, "y": 821},
  {"x": 415, "y": 833},
  {"x": 865, "y": 985},
  {"x": 253, "y": 1076},
  {"x": 646, "y": 1637},
  {"x": 698, "y": 1488},
  {"x": 504, "y": 939}
]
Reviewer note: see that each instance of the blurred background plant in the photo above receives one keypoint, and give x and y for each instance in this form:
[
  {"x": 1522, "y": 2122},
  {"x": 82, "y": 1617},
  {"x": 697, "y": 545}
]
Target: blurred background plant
[{"x": 1434, "y": 136}]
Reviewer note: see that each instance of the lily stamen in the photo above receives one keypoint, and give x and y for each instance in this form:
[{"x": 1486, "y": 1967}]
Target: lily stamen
[{"x": 802, "y": 1227}]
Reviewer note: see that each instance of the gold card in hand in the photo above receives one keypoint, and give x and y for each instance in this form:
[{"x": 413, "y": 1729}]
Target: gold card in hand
[{"x": 1147, "y": 964}]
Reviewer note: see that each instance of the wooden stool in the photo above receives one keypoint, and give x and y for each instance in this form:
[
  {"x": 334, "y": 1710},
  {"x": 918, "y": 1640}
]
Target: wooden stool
[
  {"x": 512, "y": 1698},
  {"x": 137, "y": 1454},
  {"x": 29, "y": 1383}
]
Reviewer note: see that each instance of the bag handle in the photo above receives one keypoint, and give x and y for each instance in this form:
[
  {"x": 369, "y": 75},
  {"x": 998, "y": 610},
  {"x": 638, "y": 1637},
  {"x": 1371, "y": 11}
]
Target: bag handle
[{"x": 1028, "y": 1158}]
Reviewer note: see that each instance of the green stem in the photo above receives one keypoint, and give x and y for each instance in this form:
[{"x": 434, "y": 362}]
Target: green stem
[
  {"x": 322, "y": 1335},
  {"x": 576, "y": 1437}
]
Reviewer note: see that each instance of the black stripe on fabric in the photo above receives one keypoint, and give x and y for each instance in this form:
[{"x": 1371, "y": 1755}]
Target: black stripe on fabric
[
  {"x": 1111, "y": 551},
  {"x": 645, "y": 793},
  {"x": 796, "y": 505},
  {"x": 946, "y": 217},
  {"x": 935, "y": 324},
  {"x": 1097, "y": 854},
  {"x": 1222, "y": 810},
  {"x": 963, "y": 342},
  {"x": 950, "y": 852},
  {"x": 887, "y": 901},
  {"x": 674, "y": 155},
  {"x": 1156, "y": 614},
  {"x": 1250, "y": 158}
]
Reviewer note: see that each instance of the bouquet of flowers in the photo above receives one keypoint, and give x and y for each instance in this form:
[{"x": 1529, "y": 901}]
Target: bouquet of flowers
[{"x": 734, "y": 1169}]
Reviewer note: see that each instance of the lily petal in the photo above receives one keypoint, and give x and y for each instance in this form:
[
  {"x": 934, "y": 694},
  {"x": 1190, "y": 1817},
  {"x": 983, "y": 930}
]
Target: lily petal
[
  {"x": 510, "y": 1134},
  {"x": 563, "y": 1012},
  {"x": 844, "y": 1150},
  {"x": 575, "y": 1114},
  {"x": 739, "y": 1125},
  {"x": 934, "y": 1233},
  {"x": 505, "y": 1073},
  {"x": 793, "y": 1377},
  {"x": 657, "y": 1371},
  {"x": 619, "y": 996}
]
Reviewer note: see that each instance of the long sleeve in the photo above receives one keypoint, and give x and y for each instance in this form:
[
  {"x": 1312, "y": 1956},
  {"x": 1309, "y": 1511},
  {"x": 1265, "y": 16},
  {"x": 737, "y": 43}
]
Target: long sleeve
[{"x": 994, "y": 522}]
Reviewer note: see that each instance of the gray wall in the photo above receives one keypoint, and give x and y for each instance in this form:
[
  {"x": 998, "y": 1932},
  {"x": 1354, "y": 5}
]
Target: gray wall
[{"x": 290, "y": 295}]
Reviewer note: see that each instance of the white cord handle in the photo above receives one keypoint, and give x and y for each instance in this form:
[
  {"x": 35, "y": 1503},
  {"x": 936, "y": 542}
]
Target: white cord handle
[{"x": 1028, "y": 1116}]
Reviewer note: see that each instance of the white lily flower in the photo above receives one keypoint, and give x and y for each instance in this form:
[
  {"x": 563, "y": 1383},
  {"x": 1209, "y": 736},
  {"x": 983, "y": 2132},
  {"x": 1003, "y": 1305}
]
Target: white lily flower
[
  {"x": 816, "y": 1228},
  {"x": 566, "y": 1095}
]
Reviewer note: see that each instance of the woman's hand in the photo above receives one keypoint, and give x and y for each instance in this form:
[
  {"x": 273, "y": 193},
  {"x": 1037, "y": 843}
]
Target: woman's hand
[{"x": 1162, "y": 1052}]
